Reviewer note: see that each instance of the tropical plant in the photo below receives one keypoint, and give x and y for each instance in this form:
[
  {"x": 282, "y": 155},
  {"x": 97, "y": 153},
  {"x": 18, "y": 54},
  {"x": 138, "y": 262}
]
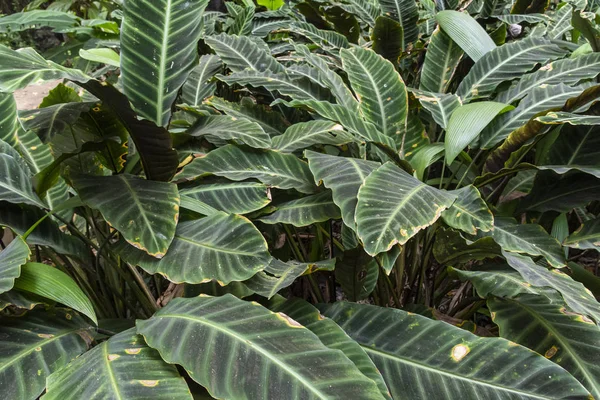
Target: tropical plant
[{"x": 318, "y": 199}]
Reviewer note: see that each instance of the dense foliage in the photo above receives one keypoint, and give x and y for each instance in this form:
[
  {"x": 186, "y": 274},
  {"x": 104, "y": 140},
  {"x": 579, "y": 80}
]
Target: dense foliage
[{"x": 319, "y": 199}]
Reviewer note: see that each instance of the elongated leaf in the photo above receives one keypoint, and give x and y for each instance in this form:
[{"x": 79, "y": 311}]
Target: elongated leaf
[
  {"x": 241, "y": 53},
  {"x": 467, "y": 122},
  {"x": 242, "y": 22},
  {"x": 222, "y": 127},
  {"x": 426, "y": 156},
  {"x": 448, "y": 363},
  {"x": 332, "y": 336},
  {"x": 568, "y": 72},
  {"x": 393, "y": 206},
  {"x": 34, "y": 346},
  {"x": 288, "y": 360},
  {"x": 123, "y": 367},
  {"x": 505, "y": 63},
  {"x": 278, "y": 275},
  {"x": 198, "y": 87},
  {"x": 466, "y": 32},
  {"x": 11, "y": 259},
  {"x": 469, "y": 213},
  {"x": 587, "y": 236},
  {"x": 145, "y": 212},
  {"x": 51, "y": 283},
  {"x": 283, "y": 171},
  {"x": 560, "y": 23},
  {"x": 15, "y": 178},
  {"x": 25, "y": 67},
  {"x": 357, "y": 274},
  {"x": 162, "y": 37},
  {"x": 22, "y": 300},
  {"x": 538, "y": 100},
  {"x": 553, "y": 331},
  {"x": 441, "y": 60},
  {"x": 530, "y": 239},
  {"x": 21, "y": 21},
  {"x": 8, "y": 118},
  {"x": 221, "y": 247},
  {"x": 441, "y": 106},
  {"x": 101, "y": 55},
  {"x": 231, "y": 197},
  {"x": 407, "y": 14},
  {"x": 271, "y": 122},
  {"x": 324, "y": 38},
  {"x": 306, "y": 134},
  {"x": 499, "y": 280},
  {"x": 560, "y": 118},
  {"x": 305, "y": 211},
  {"x": 518, "y": 18},
  {"x": 381, "y": 90},
  {"x": 343, "y": 176}
]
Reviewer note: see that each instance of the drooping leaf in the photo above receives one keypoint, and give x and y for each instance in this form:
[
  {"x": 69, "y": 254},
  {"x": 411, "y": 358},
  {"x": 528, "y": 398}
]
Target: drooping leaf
[
  {"x": 288, "y": 359},
  {"x": 561, "y": 117},
  {"x": 241, "y": 53},
  {"x": 11, "y": 259},
  {"x": 223, "y": 127},
  {"x": 553, "y": 331},
  {"x": 305, "y": 211},
  {"x": 505, "y": 63},
  {"x": 305, "y": 134},
  {"x": 469, "y": 212},
  {"x": 34, "y": 346},
  {"x": 344, "y": 176},
  {"x": 587, "y": 236},
  {"x": 388, "y": 38},
  {"x": 144, "y": 212},
  {"x": 381, "y": 90},
  {"x": 393, "y": 206},
  {"x": 231, "y": 197},
  {"x": 426, "y": 156},
  {"x": 162, "y": 37},
  {"x": 123, "y": 367},
  {"x": 441, "y": 106},
  {"x": 15, "y": 178},
  {"x": 441, "y": 60},
  {"x": 198, "y": 86},
  {"x": 8, "y": 118},
  {"x": 448, "y": 358},
  {"x": 284, "y": 171},
  {"x": 222, "y": 247},
  {"x": 51, "y": 283},
  {"x": 407, "y": 14},
  {"x": 465, "y": 32}
]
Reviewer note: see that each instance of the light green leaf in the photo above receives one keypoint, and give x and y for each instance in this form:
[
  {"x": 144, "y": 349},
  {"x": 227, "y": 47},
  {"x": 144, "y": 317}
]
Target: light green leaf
[
  {"x": 306, "y": 134},
  {"x": 123, "y": 367},
  {"x": 144, "y": 212},
  {"x": 305, "y": 211},
  {"x": 426, "y": 156},
  {"x": 441, "y": 106},
  {"x": 240, "y": 53},
  {"x": 290, "y": 361},
  {"x": 448, "y": 359},
  {"x": 441, "y": 59},
  {"x": 467, "y": 122},
  {"x": 158, "y": 51},
  {"x": 393, "y": 206},
  {"x": 231, "y": 197},
  {"x": 466, "y": 32},
  {"x": 222, "y": 247},
  {"x": 21, "y": 21},
  {"x": 11, "y": 259},
  {"x": 198, "y": 85},
  {"x": 221, "y": 128},
  {"x": 283, "y": 171},
  {"x": 51, "y": 283},
  {"x": 587, "y": 236},
  {"x": 344, "y": 176},
  {"x": 469, "y": 213},
  {"x": 102, "y": 55}
]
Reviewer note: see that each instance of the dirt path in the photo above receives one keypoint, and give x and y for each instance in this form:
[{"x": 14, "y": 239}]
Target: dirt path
[{"x": 31, "y": 96}]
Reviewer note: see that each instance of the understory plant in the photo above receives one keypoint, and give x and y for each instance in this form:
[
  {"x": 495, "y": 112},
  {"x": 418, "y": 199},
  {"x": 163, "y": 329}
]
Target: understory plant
[{"x": 317, "y": 199}]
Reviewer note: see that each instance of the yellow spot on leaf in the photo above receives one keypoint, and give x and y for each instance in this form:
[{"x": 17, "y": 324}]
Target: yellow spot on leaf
[
  {"x": 148, "y": 383},
  {"x": 551, "y": 352},
  {"x": 133, "y": 351},
  {"x": 459, "y": 352},
  {"x": 112, "y": 357},
  {"x": 68, "y": 316},
  {"x": 45, "y": 335},
  {"x": 290, "y": 322},
  {"x": 38, "y": 349}
]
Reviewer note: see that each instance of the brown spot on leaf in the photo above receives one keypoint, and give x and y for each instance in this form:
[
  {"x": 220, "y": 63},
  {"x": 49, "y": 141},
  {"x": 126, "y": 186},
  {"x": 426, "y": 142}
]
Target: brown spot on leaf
[
  {"x": 459, "y": 352},
  {"x": 551, "y": 352}
]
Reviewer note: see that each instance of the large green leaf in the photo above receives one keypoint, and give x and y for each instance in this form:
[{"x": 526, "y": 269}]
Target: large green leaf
[
  {"x": 499, "y": 280},
  {"x": 466, "y": 32},
  {"x": 286, "y": 359},
  {"x": 198, "y": 86},
  {"x": 221, "y": 128},
  {"x": 11, "y": 259},
  {"x": 305, "y": 211},
  {"x": 421, "y": 358},
  {"x": 332, "y": 336},
  {"x": 241, "y": 53},
  {"x": 144, "y": 212},
  {"x": 284, "y": 171},
  {"x": 50, "y": 283},
  {"x": 441, "y": 106},
  {"x": 407, "y": 14},
  {"x": 441, "y": 60},
  {"x": 15, "y": 178},
  {"x": 530, "y": 239},
  {"x": 469, "y": 213},
  {"x": 576, "y": 296},
  {"x": 21, "y": 21},
  {"x": 272, "y": 122},
  {"x": 25, "y": 66},
  {"x": 158, "y": 51},
  {"x": 306, "y": 134},
  {"x": 8, "y": 118},
  {"x": 587, "y": 236},
  {"x": 123, "y": 367},
  {"x": 222, "y": 247},
  {"x": 231, "y": 197},
  {"x": 568, "y": 71},
  {"x": 575, "y": 145},
  {"x": 505, "y": 63},
  {"x": 326, "y": 39},
  {"x": 380, "y": 89},
  {"x": 393, "y": 206},
  {"x": 466, "y": 123},
  {"x": 344, "y": 176},
  {"x": 559, "y": 334},
  {"x": 357, "y": 274},
  {"x": 35, "y": 345}
]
